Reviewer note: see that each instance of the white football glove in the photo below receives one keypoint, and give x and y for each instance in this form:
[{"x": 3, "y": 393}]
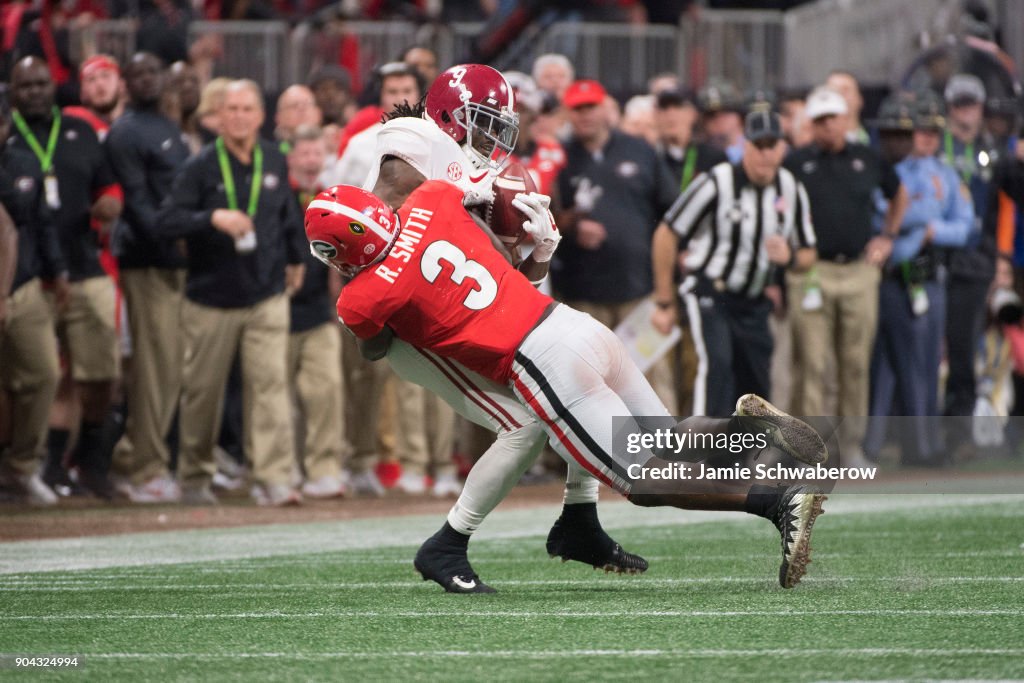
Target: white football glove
[{"x": 539, "y": 223}]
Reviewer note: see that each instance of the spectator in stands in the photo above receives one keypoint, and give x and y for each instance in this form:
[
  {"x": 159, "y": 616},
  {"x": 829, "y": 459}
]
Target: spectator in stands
[
  {"x": 553, "y": 73},
  {"x": 732, "y": 249},
  {"x": 793, "y": 113},
  {"x": 102, "y": 93},
  {"x": 396, "y": 82},
  {"x": 722, "y": 112},
  {"x": 675, "y": 117},
  {"x": 245, "y": 246},
  {"x": 638, "y": 119},
  {"x": 210, "y": 104},
  {"x": 540, "y": 153},
  {"x": 424, "y": 60},
  {"x": 183, "y": 89},
  {"x": 663, "y": 82},
  {"x": 399, "y": 83},
  {"x": 332, "y": 88},
  {"x": 296, "y": 106},
  {"x": 610, "y": 196},
  {"x": 146, "y": 152},
  {"x": 314, "y": 342},
  {"x": 845, "y": 83},
  {"x": 29, "y": 369},
  {"x": 79, "y": 188},
  {"x": 835, "y": 304}
]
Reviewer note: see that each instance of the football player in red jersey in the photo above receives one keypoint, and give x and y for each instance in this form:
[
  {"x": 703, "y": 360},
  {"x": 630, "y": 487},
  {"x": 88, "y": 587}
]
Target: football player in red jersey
[
  {"x": 410, "y": 150},
  {"x": 427, "y": 276}
]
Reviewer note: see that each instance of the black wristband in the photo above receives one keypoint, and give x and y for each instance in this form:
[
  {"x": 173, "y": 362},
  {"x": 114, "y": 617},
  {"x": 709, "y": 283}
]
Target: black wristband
[
  {"x": 792, "y": 259},
  {"x": 665, "y": 305}
]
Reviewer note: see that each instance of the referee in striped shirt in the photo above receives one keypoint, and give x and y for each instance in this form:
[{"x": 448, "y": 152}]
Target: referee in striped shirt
[{"x": 735, "y": 224}]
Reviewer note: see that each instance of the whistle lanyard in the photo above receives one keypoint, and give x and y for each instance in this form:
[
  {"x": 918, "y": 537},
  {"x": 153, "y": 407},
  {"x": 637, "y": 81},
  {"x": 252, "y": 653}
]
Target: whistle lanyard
[
  {"x": 45, "y": 157},
  {"x": 965, "y": 173},
  {"x": 689, "y": 167},
  {"x": 229, "y": 180}
]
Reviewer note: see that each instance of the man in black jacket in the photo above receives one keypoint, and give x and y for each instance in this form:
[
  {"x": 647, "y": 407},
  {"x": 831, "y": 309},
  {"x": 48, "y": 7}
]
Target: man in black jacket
[
  {"x": 29, "y": 370},
  {"x": 146, "y": 150},
  {"x": 233, "y": 205}
]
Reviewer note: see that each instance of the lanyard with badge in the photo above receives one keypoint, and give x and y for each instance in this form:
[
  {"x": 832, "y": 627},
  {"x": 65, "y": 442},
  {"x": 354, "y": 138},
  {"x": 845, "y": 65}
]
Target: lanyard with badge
[
  {"x": 689, "y": 166},
  {"x": 967, "y": 167},
  {"x": 248, "y": 242},
  {"x": 45, "y": 157}
]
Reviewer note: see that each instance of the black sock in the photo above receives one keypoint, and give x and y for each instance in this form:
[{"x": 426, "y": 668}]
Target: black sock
[
  {"x": 56, "y": 444},
  {"x": 91, "y": 445},
  {"x": 449, "y": 536},
  {"x": 580, "y": 514},
  {"x": 761, "y": 500}
]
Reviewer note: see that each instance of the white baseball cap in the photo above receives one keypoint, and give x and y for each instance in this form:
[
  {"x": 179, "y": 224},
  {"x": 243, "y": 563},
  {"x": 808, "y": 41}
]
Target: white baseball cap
[{"x": 825, "y": 102}]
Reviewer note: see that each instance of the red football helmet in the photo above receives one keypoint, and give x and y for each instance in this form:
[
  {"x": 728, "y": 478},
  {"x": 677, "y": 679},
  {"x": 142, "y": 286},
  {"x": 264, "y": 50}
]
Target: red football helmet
[
  {"x": 474, "y": 104},
  {"x": 350, "y": 229}
]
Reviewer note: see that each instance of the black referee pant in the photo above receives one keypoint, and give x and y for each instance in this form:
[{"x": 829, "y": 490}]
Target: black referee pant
[{"x": 734, "y": 347}]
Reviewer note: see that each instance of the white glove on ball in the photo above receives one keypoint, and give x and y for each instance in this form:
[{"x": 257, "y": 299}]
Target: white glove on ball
[{"x": 539, "y": 223}]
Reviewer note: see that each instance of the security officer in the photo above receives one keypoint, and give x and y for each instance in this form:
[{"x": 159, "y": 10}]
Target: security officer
[
  {"x": 245, "y": 242},
  {"x": 966, "y": 147},
  {"x": 29, "y": 370},
  {"x": 146, "y": 150},
  {"x": 738, "y": 223},
  {"x": 78, "y": 186},
  {"x": 912, "y": 295}
]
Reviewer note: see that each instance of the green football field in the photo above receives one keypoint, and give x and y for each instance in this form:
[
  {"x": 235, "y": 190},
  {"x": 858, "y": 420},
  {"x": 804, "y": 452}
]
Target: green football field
[{"x": 901, "y": 587}]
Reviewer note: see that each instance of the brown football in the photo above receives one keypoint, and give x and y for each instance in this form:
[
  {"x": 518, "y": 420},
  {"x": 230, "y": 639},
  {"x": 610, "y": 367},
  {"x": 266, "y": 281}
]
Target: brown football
[{"x": 504, "y": 220}]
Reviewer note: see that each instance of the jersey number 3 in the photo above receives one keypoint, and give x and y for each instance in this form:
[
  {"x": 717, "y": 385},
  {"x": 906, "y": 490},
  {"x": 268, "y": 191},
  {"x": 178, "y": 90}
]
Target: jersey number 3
[{"x": 430, "y": 267}]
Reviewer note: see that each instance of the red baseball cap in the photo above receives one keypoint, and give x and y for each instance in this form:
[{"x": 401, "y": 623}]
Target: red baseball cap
[
  {"x": 582, "y": 93},
  {"x": 98, "y": 63}
]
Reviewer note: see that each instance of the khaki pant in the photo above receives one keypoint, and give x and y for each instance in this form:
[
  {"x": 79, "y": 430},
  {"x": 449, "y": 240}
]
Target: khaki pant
[
  {"x": 89, "y": 328},
  {"x": 29, "y": 372},
  {"x": 364, "y": 392},
  {"x": 154, "y": 298},
  {"x": 844, "y": 326},
  {"x": 212, "y": 335},
  {"x": 314, "y": 366},
  {"x": 426, "y": 430},
  {"x": 660, "y": 376}
]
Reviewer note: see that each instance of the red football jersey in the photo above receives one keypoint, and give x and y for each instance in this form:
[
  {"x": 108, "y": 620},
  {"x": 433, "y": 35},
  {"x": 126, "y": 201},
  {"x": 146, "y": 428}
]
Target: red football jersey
[{"x": 443, "y": 287}]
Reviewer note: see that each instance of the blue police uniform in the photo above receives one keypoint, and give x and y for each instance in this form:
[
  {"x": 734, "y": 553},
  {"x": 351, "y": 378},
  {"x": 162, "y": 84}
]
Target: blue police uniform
[{"x": 912, "y": 305}]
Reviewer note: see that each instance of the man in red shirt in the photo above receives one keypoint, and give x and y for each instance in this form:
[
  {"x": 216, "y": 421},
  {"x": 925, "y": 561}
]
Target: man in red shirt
[{"x": 430, "y": 277}]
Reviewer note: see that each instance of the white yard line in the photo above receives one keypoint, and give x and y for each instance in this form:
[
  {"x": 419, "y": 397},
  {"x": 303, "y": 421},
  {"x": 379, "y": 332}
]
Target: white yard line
[
  {"x": 505, "y": 614},
  {"x": 560, "y": 654},
  {"x": 208, "y": 545},
  {"x": 115, "y": 583}
]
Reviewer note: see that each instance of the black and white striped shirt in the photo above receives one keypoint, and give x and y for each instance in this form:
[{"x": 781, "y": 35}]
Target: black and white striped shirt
[{"x": 723, "y": 220}]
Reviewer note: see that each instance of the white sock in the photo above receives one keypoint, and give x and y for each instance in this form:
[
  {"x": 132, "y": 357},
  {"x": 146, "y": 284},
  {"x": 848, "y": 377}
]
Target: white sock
[
  {"x": 580, "y": 486},
  {"x": 494, "y": 475}
]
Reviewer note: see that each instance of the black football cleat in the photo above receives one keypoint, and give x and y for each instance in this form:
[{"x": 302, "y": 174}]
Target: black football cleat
[
  {"x": 449, "y": 567},
  {"x": 591, "y": 545},
  {"x": 794, "y": 516}
]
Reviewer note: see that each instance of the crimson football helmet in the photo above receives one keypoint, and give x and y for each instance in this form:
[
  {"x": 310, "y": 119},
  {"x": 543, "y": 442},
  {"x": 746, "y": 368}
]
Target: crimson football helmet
[
  {"x": 474, "y": 104},
  {"x": 350, "y": 229}
]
